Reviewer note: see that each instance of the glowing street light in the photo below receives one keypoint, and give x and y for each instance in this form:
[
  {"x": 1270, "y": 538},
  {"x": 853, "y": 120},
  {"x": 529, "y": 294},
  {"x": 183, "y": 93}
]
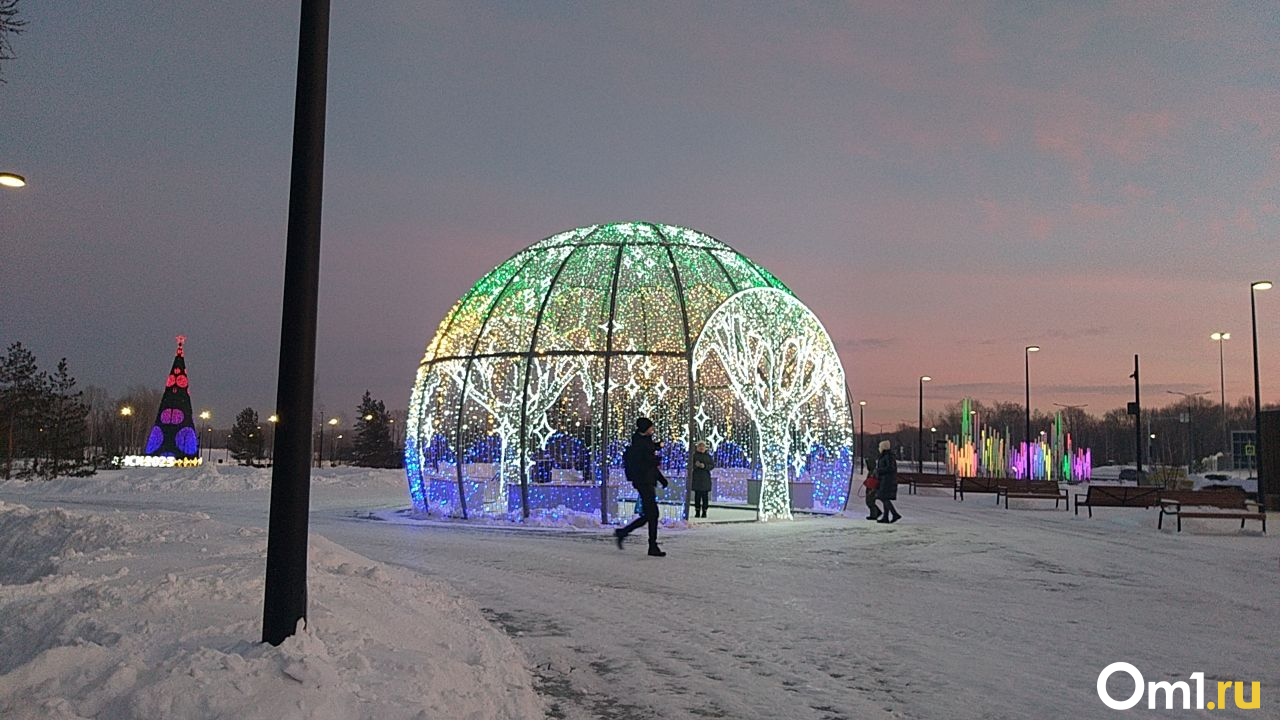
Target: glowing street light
[
  {"x": 127, "y": 413},
  {"x": 1026, "y": 354},
  {"x": 205, "y": 415},
  {"x": 920, "y": 428},
  {"x": 271, "y": 443},
  {"x": 12, "y": 180},
  {"x": 1257, "y": 392},
  {"x": 1222, "y": 337},
  {"x": 862, "y": 429}
]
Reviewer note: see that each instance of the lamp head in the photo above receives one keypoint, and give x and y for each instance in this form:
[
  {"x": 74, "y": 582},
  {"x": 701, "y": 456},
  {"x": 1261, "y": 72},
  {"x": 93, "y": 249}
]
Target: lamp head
[
  {"x": 1261, "y": 285},
  {"x": 925, "y": 378},
  {"x": 862, "y": 403},
  {"x": 1033, "y": 348},
  {"x": 12, "y": 180}
]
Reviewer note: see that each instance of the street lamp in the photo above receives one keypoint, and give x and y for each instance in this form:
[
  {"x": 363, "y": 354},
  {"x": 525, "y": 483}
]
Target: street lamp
[
  {"x": 205, "y": 415},
  {"x": 127, "y": 412},
  {"x": 320, "y": 445},
  {"x": 333, "y": 422},
  {"x": 1222, "y": 337},
  {"x": 920, "y": 428},
  {"x": 1257, "y": 392},
  {"x": 271, "y": 444},
  {"x": 1188, "y": 396},
  {"x": 1026, "y": 356},
  {"x": 862, "y": 431},
  {"x": 12, "y": 180}
]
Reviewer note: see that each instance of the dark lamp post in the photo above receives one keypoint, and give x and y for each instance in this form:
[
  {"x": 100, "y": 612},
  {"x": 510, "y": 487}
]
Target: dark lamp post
[
  {"x": 1257, "y": 391},
  {"x": 920, "y": 428}
]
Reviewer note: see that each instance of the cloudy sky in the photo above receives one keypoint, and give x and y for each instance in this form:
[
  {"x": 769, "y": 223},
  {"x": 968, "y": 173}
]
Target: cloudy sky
[{"x": 942, "y": 184}]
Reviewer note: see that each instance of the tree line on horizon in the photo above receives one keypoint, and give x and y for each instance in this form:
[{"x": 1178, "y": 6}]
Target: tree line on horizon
[
  {"x": 1110, "y": 436},
  {"x": 373, "y": 443},
  {"x": 50, "y": 427}
]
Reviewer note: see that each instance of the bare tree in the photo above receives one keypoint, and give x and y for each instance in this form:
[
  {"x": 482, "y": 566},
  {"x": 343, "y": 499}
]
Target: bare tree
[{"x": 10, "y": 25}]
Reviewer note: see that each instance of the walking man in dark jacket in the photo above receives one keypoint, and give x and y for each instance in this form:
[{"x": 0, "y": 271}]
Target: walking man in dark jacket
[
  {"x": 641, "y": 463},
  {"x": 702, "y": 464},
  {"x": 887, "y": 474}
]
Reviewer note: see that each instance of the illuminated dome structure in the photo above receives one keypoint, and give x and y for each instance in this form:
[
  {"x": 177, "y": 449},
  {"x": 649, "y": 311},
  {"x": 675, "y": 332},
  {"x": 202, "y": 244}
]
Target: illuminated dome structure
[{"x": 529, "y": 391}]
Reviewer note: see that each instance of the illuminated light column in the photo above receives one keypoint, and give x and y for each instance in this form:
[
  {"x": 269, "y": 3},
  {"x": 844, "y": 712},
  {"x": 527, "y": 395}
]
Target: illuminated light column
[{"x": 1222, "y": 337}]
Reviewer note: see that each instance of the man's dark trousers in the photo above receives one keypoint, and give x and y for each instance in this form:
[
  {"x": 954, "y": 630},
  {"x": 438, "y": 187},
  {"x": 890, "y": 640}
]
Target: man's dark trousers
[{"x": 648, "y": 513}]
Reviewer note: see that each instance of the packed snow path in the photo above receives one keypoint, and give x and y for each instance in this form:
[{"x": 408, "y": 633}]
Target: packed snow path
[{"x": 962, "y": 610}]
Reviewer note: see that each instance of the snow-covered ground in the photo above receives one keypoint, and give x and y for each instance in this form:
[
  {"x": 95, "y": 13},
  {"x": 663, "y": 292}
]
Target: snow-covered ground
[{"x": 962, "y": 610}]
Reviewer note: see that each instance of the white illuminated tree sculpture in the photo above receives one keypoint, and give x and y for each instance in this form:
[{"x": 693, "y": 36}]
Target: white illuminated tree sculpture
[{"x": 777, "y": 357}]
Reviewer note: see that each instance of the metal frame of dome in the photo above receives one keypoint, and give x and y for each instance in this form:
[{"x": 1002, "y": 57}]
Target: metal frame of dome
[{"x": 497, "y": 336}]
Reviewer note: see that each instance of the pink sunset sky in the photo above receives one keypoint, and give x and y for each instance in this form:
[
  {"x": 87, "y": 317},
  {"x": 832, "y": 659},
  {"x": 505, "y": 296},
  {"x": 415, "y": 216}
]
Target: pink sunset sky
[{"x": 941, "y": 184}]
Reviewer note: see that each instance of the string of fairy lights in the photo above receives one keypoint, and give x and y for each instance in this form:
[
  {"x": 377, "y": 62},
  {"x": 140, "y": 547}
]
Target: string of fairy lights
[{"x": 528, "y": 392}]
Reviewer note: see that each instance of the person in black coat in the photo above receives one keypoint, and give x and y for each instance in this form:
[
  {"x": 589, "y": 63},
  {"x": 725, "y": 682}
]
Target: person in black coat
[
  {"x": 640, "y": 460},
  {"x": 701, "y": 463},
  {"x": 887, "y": 475}
]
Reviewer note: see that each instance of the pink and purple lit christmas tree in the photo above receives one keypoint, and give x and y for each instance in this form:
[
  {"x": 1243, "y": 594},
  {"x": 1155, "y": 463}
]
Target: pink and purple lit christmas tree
[{"x": 174, "y": 432}]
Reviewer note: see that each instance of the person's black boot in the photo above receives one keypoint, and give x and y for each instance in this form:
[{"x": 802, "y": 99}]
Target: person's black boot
[
  {"x": 655, "y": 551},
  {"x": 884, "y": 519},
  {"x": 618, "y": 536},
  {"x": 896, "y": 518}
]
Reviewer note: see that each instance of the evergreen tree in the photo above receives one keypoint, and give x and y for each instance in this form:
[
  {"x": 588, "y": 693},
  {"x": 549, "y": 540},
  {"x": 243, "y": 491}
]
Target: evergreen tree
[
  {"x": 23, "y": 388},
  {"x": 373, "y": 446},
  {"x": 245, "y": 442},
  {"x": 65, "y": 426}
]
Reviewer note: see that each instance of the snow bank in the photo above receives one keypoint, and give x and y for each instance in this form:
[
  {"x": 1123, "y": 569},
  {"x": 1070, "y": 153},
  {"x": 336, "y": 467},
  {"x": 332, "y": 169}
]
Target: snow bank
[
  {"x": 150, "y": 615},
  {"x": 208, "y": 478}
]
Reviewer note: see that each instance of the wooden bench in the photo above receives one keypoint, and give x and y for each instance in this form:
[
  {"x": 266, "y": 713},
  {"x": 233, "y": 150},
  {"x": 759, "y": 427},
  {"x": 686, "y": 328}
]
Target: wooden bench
[
  {"x": 1231, "y": 504},
  {"x": 1033, "y": 490},
  {"x": 919, "y": 480},
  {"x": 978, "y": 485},
  {"x": 1118, "y": 496}
]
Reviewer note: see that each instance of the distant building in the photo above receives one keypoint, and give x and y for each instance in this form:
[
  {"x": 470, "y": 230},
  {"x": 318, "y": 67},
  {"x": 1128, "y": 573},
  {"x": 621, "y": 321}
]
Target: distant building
[{"x": 1242, "y": 450}]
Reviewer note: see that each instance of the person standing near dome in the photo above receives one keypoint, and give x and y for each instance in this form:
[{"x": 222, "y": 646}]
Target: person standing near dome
[
  {"x": 887, "y": 475},
  {"x": 641, "y": 464},
  {"x": 703, "y": 464}
]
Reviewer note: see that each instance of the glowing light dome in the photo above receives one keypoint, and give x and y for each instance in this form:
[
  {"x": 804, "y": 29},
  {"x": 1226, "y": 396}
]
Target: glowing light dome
[{"x": 528, "y": 393}]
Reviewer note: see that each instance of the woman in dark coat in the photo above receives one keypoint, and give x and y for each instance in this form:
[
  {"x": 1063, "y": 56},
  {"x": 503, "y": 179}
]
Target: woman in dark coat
[
  {"x": 701, "y": 463},
  {"x": 887, "y": 475}
]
